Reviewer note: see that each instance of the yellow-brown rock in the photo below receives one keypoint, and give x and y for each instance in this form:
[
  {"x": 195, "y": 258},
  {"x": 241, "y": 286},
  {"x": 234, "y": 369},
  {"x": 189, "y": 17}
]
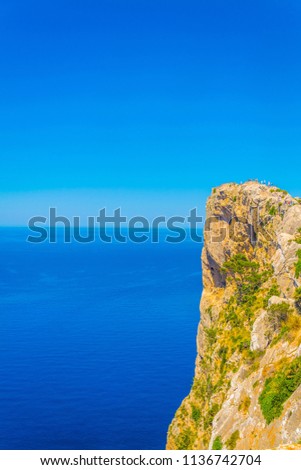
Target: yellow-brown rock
[{"x": 250, "y": 328}]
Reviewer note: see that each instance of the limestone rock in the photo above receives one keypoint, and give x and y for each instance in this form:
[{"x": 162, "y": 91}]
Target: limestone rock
[
  {"x": 259, "y": 339},
  {"x": 249, "y": 264}
]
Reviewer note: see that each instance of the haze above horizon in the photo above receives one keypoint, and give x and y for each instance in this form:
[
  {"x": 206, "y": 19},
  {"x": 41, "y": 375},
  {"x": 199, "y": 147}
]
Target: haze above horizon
[{"x": 146, "y": 104}]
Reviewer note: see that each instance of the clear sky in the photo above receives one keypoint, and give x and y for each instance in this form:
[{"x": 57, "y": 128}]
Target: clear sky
[{"x": 156, "y": 98}]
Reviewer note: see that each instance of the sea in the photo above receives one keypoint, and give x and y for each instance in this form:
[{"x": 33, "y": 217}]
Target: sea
[{"x": 98, "y": 341}]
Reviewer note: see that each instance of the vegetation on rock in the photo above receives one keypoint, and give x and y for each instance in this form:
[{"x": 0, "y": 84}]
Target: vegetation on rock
[
  {"x": 217, "y": 443},
  {"x": 278, "y": 388},
  {"x": 246, "y": 275},
  {"x": 298, "y": 265},
  {"x": 232, "y": 441},
  {"x": 278, "y": 314}
]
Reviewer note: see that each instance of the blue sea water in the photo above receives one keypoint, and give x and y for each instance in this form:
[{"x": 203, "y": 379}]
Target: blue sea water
[{"x": 97, "y": 342}]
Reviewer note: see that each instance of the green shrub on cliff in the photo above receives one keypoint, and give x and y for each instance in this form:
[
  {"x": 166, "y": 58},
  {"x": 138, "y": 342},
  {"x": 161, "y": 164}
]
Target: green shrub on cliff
[
  {"x": 185, "y": 439},
  {"x": 211, "y": 334},
  {"x": 196, "y": 414},
  {"x": 217, "y": 443},
  {"x": 246, "y": 275},
  {"x": 298, "y": 265},
  {"x": 278, "y": 314},
  {"x": 210, "y": 415},
  {"x": 239, "y": 264},
  {"x": 278, "y": 389},
  {"x": 273, "y": 211},
  {"x": 232, "y": 441},
  {"x": 274, "y": 290}
]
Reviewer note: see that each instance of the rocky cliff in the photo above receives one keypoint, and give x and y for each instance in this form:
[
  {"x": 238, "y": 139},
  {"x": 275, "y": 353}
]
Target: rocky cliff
[{"x": 246, "y": 392}]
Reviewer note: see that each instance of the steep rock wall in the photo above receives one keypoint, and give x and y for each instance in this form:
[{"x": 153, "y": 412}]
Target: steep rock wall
[{"x": 246, "y": 392}]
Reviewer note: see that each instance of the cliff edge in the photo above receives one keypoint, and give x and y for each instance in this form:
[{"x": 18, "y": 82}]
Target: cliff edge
[{"x": 246, "y": 392}]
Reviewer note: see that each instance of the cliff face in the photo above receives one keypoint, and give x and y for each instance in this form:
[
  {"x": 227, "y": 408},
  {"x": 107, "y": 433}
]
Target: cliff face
[{"x": 246, "y": 392}]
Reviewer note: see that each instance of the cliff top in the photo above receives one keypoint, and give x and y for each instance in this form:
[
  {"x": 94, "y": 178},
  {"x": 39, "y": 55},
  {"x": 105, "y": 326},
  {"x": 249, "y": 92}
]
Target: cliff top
[{"x": 254, "y": 187}]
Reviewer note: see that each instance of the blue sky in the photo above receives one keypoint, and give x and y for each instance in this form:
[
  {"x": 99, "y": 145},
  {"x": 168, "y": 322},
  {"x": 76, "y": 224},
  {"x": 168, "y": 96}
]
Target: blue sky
[{"x": 151, "y": 101}]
